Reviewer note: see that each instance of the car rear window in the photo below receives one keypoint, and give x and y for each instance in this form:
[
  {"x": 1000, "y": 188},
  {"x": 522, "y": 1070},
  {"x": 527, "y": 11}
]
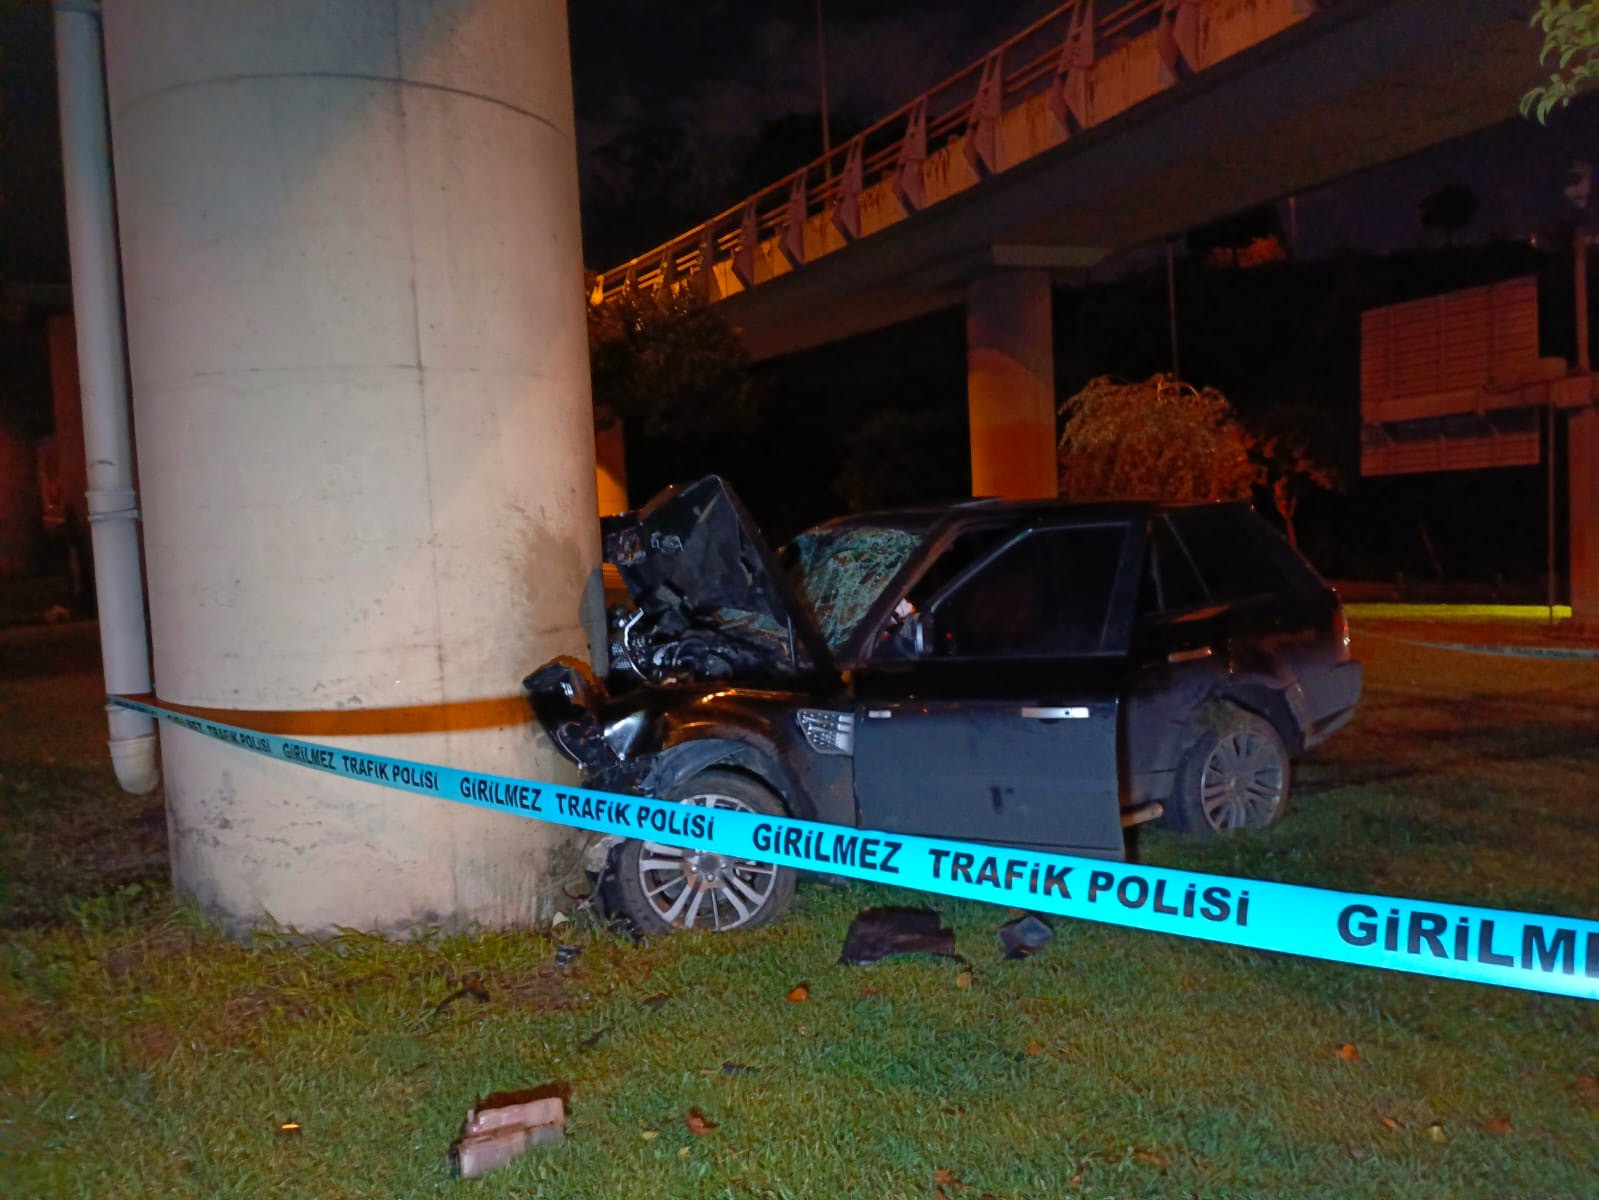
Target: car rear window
[{"x": 1231, "y": 559}]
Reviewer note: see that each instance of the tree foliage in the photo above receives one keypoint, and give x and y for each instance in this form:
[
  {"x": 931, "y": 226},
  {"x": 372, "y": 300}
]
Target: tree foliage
[
  {"x": 901, "y": 457},
  {"x": 669, "y": 365},
  {"x": 1157, "y": 440},
  {"x": 1249, "y": 238},
  {"x": 1449, "y": 209},
  {"x": 1571, "y": 42},
  {"x": 646, "y": 184},
  {"x": 1292, "y": 446},
  {"x": 1168, "y": 440}
]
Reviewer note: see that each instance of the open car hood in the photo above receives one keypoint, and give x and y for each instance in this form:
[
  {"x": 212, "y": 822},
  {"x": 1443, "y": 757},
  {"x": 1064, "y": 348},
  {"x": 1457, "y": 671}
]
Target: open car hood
[{"x": 696, "y": 564}]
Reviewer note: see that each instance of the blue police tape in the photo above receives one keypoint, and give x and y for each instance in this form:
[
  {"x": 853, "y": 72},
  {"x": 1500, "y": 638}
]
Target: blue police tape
[{"x": 1481, "y": 945}]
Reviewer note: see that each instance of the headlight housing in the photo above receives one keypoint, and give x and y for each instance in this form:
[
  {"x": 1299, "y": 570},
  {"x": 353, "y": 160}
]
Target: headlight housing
[
  {"x": 828, "y": 732},
  {"x": 622, "y": 734}
]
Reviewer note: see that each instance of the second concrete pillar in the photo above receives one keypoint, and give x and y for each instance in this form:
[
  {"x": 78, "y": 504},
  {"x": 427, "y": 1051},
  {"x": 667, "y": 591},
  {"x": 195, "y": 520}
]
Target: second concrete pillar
[{"x": 1010, "y": 385}]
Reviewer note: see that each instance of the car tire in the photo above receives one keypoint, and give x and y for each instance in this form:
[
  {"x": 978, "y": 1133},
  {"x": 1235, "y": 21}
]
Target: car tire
[
  {"x": 664, "y": 888},
  {"x": 1236, "y": 775}
]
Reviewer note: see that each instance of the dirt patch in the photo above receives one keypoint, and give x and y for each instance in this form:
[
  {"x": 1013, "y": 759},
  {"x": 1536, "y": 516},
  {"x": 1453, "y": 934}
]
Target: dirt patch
[
  {"x": 545, "y": 988},
  {"x": 133, "y": 962},
  {"x": 253, "y": 1007},
  {"x": 149, "y": 1044},
  {"x": 26, "y": 1020}
]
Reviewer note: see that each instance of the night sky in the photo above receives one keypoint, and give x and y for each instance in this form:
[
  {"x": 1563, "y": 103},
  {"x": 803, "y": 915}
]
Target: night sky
[{"x": 720, "y": 68}]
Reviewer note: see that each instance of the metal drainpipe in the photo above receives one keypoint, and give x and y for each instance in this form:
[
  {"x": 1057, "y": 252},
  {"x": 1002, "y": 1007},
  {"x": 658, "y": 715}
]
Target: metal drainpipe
[{"x": 107, "y": 436}]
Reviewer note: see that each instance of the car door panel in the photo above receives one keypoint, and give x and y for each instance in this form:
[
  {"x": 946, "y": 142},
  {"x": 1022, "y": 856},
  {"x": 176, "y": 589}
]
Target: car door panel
[
  {"x": 1040, "y": 771},
  {"x": 978, "y": 737}
]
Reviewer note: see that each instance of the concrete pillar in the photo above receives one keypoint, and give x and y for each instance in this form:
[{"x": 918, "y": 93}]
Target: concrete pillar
[
  {"x": 366, "y": 451},
  {"x": 1010, "y": 385},
  {"x": 1582, "y": 465}
]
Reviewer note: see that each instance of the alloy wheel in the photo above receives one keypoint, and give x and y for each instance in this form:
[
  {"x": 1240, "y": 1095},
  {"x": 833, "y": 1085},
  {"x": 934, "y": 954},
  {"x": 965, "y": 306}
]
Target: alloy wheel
[
  {"x": 698, "y": 889},
  {"x": 1244, "y": 780}
]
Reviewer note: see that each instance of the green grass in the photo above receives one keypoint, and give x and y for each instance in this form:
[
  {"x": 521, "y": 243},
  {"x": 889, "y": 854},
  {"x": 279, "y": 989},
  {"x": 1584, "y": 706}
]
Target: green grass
[{"x": 143, "y": 1054}]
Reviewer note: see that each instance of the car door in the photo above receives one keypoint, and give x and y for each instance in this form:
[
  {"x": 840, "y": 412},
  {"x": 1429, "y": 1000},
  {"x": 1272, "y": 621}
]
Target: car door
[{"x": 1002, "y": 725}]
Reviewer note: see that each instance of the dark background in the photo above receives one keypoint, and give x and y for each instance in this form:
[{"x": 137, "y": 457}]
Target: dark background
[{"x": 684, "y": 108}]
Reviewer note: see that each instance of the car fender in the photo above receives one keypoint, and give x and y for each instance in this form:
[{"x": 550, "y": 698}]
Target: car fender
[
  {"x": 1264, "y": 697},
  {"x": 691, "y": 749}
]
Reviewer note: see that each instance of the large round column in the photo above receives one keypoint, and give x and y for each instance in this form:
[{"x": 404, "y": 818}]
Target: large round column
[
  {"x": 1010, "y": 385},
  {"x": 366, "y": 451}
]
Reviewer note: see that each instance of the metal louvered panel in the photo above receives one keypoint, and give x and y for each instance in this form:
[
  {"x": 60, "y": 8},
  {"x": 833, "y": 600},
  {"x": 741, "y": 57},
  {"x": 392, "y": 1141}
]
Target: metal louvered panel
[
  {"x": 1449, "y": 453},
  {"x": 1479, "y": 338}
]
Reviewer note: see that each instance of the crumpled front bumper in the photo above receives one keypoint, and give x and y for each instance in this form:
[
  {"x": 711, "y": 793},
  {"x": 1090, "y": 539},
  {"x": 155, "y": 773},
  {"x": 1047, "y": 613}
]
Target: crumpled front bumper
[{"x": 565, "y": 698}]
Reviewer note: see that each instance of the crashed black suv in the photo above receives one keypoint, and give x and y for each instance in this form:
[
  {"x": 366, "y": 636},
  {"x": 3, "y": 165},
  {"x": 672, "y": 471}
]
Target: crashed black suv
[{"x": 1028, "y": 673}]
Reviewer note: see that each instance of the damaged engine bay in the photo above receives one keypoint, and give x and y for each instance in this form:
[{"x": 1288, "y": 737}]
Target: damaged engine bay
[{"x": 709, "y": 602}]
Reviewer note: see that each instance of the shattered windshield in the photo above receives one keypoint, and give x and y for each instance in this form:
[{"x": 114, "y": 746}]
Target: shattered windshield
[{"x": 840, "y": 572}]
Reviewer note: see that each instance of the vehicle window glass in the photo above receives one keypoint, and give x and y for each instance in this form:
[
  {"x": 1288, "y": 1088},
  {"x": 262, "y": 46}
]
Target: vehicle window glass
[
  {"x": 967, "y": 547},
  {"x": 1047, "y": 595},
  {"x": 839, "y": 573},
  {"x": 1230, "y": 560},
  {"x": 1179, "y": 586},
  {"x": 1290, "y": 562}
]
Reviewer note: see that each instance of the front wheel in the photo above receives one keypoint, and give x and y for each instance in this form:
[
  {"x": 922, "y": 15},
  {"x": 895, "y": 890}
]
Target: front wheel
[
  {"x": 1234, "y": 777},
  {"x": 662, "y": 888}
]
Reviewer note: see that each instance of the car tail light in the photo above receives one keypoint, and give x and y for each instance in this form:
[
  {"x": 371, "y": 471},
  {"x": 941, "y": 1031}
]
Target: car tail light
[
  {"x": 827, "y": 732},
  {"x": 1341, "y": 632}
]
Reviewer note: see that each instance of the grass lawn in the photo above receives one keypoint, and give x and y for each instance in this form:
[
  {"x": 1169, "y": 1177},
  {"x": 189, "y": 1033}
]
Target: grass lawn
[{"x": 143, "y": 1055}]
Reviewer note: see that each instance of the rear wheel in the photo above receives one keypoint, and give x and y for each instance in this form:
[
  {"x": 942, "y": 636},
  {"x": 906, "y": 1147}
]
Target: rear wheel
[
  {"x": 661, "y": 888},
  {"x": 1235, "y": 776}
]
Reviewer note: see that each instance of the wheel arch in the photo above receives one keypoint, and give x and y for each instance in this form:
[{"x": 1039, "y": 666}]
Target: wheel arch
[
  {"x": 1264, "y": 701},
  {"x": 687, "y": 756}
]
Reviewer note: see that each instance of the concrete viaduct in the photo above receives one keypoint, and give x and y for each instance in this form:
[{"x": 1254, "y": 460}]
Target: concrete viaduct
[{"x": 1104, "y": 126}]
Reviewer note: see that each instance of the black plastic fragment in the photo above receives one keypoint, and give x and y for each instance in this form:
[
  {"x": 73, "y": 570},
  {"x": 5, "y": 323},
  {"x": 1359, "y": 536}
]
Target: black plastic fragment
[
  {"x": 877, "y": 933},
  {"x": 1024, "y": 935}
]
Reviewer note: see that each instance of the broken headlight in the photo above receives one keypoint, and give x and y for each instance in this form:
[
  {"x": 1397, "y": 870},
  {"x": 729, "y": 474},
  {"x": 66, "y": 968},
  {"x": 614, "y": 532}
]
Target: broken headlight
[{"x": 620, "y": 735}]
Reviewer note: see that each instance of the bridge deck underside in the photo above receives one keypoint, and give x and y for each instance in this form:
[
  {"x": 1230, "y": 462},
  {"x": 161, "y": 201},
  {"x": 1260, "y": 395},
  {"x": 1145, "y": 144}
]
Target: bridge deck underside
[{"x": 1358, "y": 85}]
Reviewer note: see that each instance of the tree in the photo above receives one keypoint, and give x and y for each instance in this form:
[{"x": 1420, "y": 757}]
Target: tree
[
  {"x": 782, "y": 146},
  {"x": 668, "y": 365},
  {"x": 900, "y": 457},
  {"x": 643, "y": 186},
  {"x": 1293, "y": 448},
  {"x": 1249, "y": 238},
  {"x": 1449, "y": 209},
  {"x": 1571, "y": 41},
  {"x": 1157, "y": 440}
]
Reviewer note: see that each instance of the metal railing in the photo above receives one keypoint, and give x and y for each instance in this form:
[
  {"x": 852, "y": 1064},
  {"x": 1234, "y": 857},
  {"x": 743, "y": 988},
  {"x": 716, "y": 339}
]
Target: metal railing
[{"x": 1028, "y": 64}]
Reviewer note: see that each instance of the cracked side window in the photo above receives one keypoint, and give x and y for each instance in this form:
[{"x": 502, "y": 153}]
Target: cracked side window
[{"x": 840, "y": 573}]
